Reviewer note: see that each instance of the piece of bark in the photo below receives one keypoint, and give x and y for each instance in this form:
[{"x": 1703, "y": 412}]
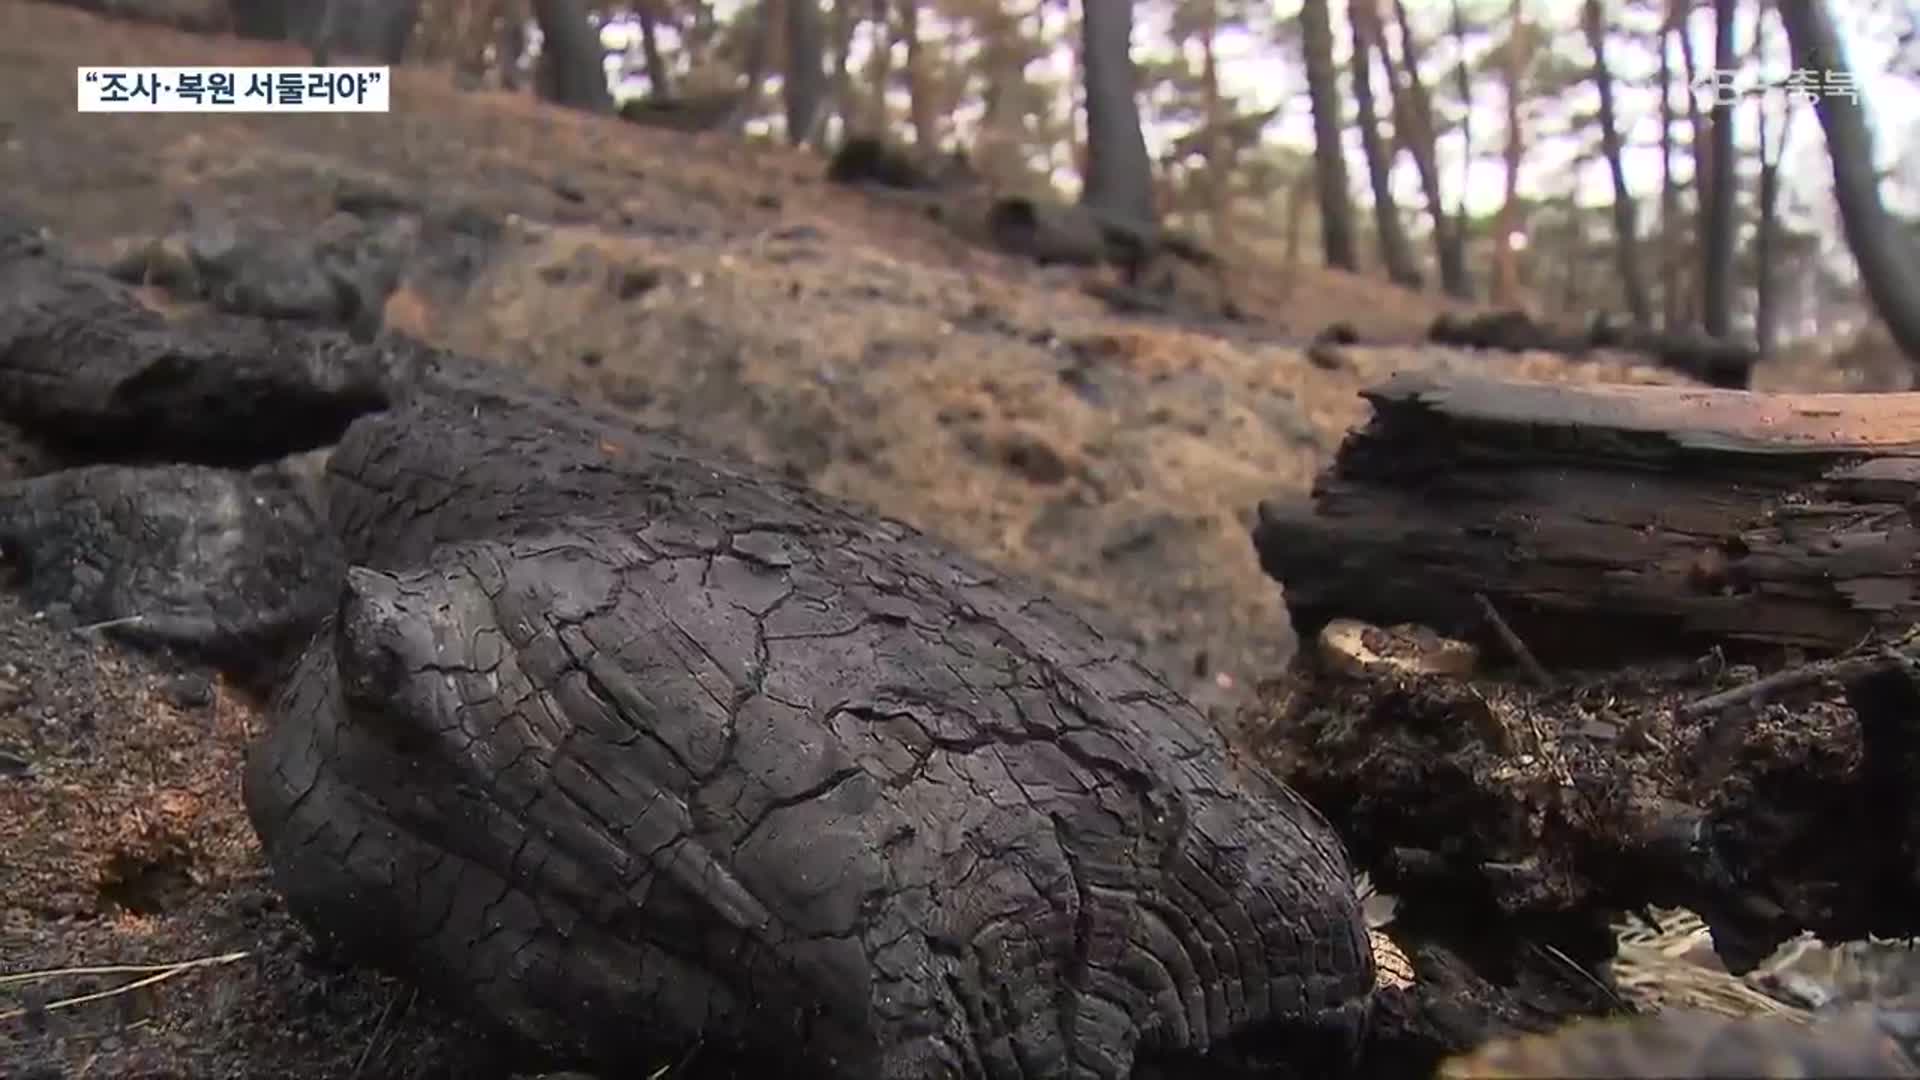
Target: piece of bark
[{"x": 1607, "y": 522}]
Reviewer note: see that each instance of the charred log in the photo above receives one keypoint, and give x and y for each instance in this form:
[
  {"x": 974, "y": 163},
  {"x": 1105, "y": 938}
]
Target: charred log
[
  {"x": 1714, "y": 361},
  {"x": 1605, "y": 521}
]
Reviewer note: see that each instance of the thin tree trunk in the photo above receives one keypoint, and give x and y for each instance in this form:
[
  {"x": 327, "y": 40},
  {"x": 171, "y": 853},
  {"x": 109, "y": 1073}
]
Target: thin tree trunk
[
  {"x": 841, "y": 97},
  {"x": 1765, "y": 297},
  {"x": 1669, "y": 188},
  {"x": 926, "y": 113},
  {"x": 1463, "y": 85},
  {"x": 767, "y": 30},
  {"x": 659, "y": 75},
  {"x": 1219, "y": 165},
  {"x": 1329, "y": 156},
  {"x": 879, "y": 75},
  {"x": 803, "y": 87},
  {"x": 1506, "y": 270},
  {"x": 1889, "y": 267},
  {"x": 1626, "y": 228},
  {"x": 1699, "y": 146},
  {"x": 1413, "y": 114},
  {"x": 572, "y": 60},
  {"x": 1717, "y": 269},
  {"x": 510, "y": 47},
  {"x": 1119, "y": 177},
  {"x": 1396, "y": 252}
]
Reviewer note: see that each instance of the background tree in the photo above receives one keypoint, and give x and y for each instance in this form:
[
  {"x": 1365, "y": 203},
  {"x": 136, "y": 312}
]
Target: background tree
[
  {"x": 1396, "y": 251},
  {"x": 1329, "y": 156},
  {"x": 1413, "y": 119},
  {"x": 1717, "y": 271},
  {"x": 1119, "y": 179},
  {"x": 803, "y": 87},
  {"x": 1626, "y": 227},
  {"x": 572, "y": 60},
  {"x": 1889, "y": 269}
]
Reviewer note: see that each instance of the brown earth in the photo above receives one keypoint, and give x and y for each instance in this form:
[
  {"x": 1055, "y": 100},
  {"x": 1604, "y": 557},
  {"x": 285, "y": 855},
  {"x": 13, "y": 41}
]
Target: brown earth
[{"x": 710, "y": 285}]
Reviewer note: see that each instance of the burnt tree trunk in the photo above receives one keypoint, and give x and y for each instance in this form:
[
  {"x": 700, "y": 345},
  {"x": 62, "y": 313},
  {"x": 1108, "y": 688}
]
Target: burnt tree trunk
[
  {"x": 1626, "y": 228},
  {"x": 1609, "y": 519},
  {"x": 1889, "y": 268},
  {"x": 804, "y": 86},
  {"x": 659, "y": 74},
  {"x": 1670, "y": 316},
  {"x": 1119, "y": 178},
  {"x": 1396, "y": 251},
  {"x": 1463, "y": 86},
  {"x": 1702, "y": 150},
  {"x": 1765, "y": 285},
  {"x": 921, "y": 98},
  {"x": 572, "y": 61},
  {"x": 1506, "y": 255},
  {"x": 1717, "y": 271},
  {"x": 1329, "y": 156},
  {"x": 1413, "y": 115},
  {"x": 377, "y": 30}
]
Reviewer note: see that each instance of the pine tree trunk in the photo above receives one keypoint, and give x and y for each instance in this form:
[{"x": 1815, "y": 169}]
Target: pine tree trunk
[
  {"x": 1889, "y": 267},
  {"x": 572, "y": 60},
  {"x": 879, "y": 74},
  {"x": 1626, "y": 228},
  {"x": 1396, "y": 252},
  {"x": 1119, "y": 176},
  {"x": 1702, "y": 151},
  {"x": 926, "y": 112},
  {"x": 659, "y": 75},
  {"x": 1329, "y": 157},
  {"x": 1413, "y": 114},
  {"x": 1717, "y": 269},
  {"x": 1506, "y": 275},
  {"x": 1670, "y": 317}
]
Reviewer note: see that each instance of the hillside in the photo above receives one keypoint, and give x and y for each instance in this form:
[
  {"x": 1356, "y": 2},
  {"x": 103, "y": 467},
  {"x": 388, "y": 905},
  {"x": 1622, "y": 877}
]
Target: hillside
[{"x": 703, "y": 284}]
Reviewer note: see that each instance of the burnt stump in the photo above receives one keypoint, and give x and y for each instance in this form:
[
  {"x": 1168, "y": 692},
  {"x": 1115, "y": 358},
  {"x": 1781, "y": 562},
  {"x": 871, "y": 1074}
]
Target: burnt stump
[{"x": 632, "y": 751}]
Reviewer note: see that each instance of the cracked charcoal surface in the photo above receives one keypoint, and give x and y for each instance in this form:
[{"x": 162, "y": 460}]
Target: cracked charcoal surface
[
  {"x": 632, "y": 750},
  {"x": 228, "y": 564}
]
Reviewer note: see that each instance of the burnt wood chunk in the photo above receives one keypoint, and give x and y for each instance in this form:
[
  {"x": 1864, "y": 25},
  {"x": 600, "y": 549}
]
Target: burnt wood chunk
[
  {"x": 632, "y": 750},
  {"x": 1609, "y": 521}
]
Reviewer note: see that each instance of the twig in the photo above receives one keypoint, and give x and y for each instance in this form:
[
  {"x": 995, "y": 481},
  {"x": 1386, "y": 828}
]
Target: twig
[
  {"x": 1587, "y": 976},
  {"x": 1842, "y": 668},
  {"x": 161, "y": 976},
  {"x": 128, "y": 620},
  {"x": 374, "y": 1039},
  {"x": 1513, "y": 643}
]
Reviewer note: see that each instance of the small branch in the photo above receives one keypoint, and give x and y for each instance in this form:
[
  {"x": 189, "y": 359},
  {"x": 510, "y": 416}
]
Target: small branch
[
  {"x": 162, "y": 975},
  {"x": 1843, "y": 668},
  {"x": 127, "y": 620},
  {"x": 1513, "y": 643}
]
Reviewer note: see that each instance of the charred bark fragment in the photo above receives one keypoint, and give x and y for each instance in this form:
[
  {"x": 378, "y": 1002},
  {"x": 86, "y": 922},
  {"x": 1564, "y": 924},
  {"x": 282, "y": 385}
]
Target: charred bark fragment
[
  {"x": 1608, "y": 520},
  {"x": 86, "y": 368},
  {"x": 630, "y": 749},
  {"x": 232, "y": 567}
]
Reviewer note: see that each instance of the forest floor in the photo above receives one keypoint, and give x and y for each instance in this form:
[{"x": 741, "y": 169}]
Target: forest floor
[{"x": 703, "y": 283}]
